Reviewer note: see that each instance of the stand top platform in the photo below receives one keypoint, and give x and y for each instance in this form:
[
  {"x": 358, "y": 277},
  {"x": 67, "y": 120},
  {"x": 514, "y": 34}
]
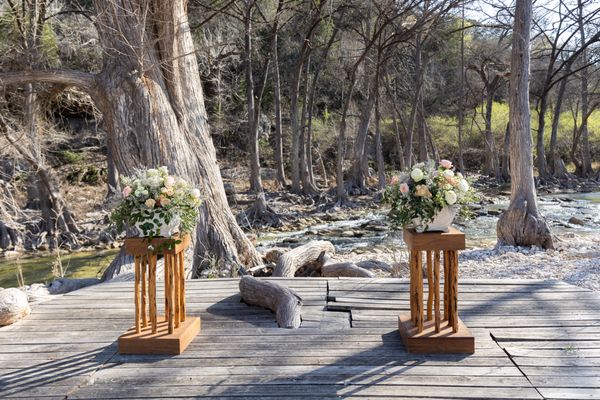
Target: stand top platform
[
  {"x": 141, "y": 246},
  {"x": 435, "y": 241}
]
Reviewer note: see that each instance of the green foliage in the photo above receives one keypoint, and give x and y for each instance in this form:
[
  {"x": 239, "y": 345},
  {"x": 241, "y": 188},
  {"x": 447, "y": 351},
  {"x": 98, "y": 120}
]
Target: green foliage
[
  {"x": 49, "y": 46},
  {"x": 71, "y": 157}
]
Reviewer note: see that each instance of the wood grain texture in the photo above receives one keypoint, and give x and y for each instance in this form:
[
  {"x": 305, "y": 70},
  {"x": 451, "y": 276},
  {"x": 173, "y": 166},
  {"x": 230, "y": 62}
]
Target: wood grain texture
[
  {"x": 140, "y": 246},
  {"x": 451, "y": 240}
]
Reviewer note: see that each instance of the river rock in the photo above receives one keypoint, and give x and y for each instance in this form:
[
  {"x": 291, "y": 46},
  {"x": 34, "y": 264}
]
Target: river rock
[
  {"x": 13, "y": 306},
  {"x": 37, "y": 292},
  {"x": 576, "y": 221}
]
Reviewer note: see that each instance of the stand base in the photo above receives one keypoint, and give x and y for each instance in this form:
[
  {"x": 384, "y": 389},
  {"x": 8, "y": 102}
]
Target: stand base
[
  {"x": 445, "y": 341},
  {"x": 160, "y": 342}
]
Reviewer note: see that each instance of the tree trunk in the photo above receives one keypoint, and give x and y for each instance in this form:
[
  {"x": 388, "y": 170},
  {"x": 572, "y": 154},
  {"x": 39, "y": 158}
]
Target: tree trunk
[
  {"x": 541, "y": 152},
  {"x": 253, "y": 108},
  {"x": 416, "y": 103},
  {"x": 491, "y": 154},
  {"x": 505, "y": 155},
  {"x": 461, "y": 93},
  {"x": 378, "y": 144},
  {"x": 359, "y": 175},
  {"x": 278, "y": 124},
  {"x": 556, "y": 162},
  {"x": 423, "y": 154},
  {"x": 521, "y": 224},
  {"x": 150, "y": 93},
  {"x": 398, "y": 136},
  {"x": 586, "y": 162}
]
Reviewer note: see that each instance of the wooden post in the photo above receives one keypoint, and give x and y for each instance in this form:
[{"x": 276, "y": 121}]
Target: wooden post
[
  {"x": 182, "y": 288},
  {"x": 429, "y": 286},
  {"x": 436, "y": 278},
  {"x": 144, "y": 294},
  {"x": 177, "y": 281},
  {"x": 167, "y": 289},
  {"x": 137, "y": 294},
  {"x": 446, "y": 286},
  {"x": 170, "y": 295},
  {"x": 454, "y": 309},
  {"x": 419, "y": 292},
  {"x": 152, "y": 273}
]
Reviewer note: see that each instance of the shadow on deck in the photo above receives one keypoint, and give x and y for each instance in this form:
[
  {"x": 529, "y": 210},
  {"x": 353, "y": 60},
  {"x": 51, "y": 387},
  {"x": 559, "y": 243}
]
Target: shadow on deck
[{"x": 534, "y": 339}]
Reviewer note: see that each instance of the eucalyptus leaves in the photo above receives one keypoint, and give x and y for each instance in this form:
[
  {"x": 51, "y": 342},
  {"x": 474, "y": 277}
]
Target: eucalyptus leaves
[
  {"x": 422, "y": 192},
  {"x": 157, "y": 204}
]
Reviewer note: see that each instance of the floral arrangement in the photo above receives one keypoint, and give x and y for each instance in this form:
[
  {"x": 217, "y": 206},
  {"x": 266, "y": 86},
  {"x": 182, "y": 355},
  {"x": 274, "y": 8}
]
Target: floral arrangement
[
  {"x": 417, "y": 195},
  {"x": 152, "y": 199}
]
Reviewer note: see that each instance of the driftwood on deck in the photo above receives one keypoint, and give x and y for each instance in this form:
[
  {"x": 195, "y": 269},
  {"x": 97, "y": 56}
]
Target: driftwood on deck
[
  {"x": 288, "y": 263},
  {"x": 331, "y": 268},
  {"x": 284, "y": 302}
]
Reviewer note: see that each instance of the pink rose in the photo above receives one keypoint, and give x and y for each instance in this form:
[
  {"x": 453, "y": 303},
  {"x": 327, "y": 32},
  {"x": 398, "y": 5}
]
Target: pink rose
[
  {"x": 404, "y": 188},
  {"x": 126, "y": 191},
  {"x": 395, "y": 180},
  {"x": 446, "y": 164}
]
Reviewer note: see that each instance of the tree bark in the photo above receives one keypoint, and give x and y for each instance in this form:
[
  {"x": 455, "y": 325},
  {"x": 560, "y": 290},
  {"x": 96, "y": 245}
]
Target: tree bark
[
  {"x": 284, "y": 302},
  {"x": 521, "y": 224},
  {"x": 151, "y": 96}
]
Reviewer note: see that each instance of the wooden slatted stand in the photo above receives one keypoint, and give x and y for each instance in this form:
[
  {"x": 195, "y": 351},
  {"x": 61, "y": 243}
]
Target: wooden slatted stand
[
  {"x": 151, "y": 333},
  {"x": 427, "y": 332}
]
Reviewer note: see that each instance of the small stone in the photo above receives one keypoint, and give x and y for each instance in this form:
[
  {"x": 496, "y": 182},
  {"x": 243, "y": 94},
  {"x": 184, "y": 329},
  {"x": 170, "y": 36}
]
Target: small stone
[
  {"x": 13, "y": 306},
  {"x": 347, "y": 234},
  {"x": 576, "y": 221}
]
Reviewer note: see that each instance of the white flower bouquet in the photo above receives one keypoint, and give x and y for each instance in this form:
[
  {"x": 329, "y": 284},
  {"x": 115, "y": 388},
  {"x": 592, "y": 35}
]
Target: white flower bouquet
[
  {"x": 418, "y": 195},
  {"x": 157, "y": 204}
]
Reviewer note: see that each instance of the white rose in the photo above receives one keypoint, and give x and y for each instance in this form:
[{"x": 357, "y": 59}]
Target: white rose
[
  {"x": 417, "y": 174},
  {"x": 450, "y": 197},
  {"x": 152, "y": 172},
  {"x": 150, "y": 203},
  {"x": 448, "y": 173},
  {"x": 463, "y": 185},
  {"x": 164, "y": 170},
  {"x": 196, "y": 193}
]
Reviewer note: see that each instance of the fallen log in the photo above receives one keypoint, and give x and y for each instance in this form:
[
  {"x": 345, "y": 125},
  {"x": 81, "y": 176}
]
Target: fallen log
[
  {"x": 288, "y": 263},
  {"x": 284, "y": 302},
  {"x": 331, "y": 268}
]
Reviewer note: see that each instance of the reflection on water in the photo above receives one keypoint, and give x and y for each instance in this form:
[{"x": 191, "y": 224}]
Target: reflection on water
[{"x": 480, "y": 231}]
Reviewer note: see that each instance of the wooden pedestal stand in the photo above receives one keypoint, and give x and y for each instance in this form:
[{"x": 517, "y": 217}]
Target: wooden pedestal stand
[
  {"x": 434, "y": 335},
  {"x": 153, "y": 334}
]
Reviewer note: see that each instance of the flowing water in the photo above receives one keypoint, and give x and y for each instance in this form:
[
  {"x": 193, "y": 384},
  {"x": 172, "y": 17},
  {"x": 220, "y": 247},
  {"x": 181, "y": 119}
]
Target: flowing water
[
  {"x": 480, "y": 231},
  {"x": 44, "y": 268},
  {"x": 367, "y": 233}
]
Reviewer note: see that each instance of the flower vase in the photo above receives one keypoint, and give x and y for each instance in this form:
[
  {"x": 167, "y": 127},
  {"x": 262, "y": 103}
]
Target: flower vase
[
  {"x": 157, "y": 226},
  {"x": 441, "y": 221}
]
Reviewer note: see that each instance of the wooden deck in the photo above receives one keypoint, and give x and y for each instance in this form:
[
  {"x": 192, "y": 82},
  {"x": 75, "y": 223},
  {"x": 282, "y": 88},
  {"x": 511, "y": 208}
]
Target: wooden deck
[{"x": 534, "y": 339}]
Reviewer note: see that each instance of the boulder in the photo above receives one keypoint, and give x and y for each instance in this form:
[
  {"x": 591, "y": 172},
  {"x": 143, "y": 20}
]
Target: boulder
[{"x": 13, "y": 306}]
